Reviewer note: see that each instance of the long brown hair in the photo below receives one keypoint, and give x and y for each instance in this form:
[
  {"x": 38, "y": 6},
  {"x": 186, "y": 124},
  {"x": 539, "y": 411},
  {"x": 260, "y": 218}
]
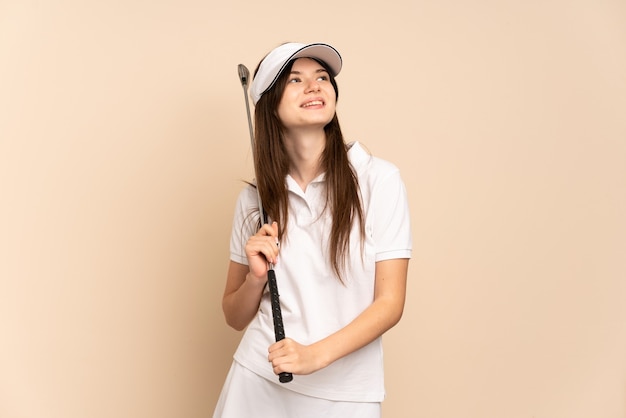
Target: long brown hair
[{"x": 343, "y": 198}]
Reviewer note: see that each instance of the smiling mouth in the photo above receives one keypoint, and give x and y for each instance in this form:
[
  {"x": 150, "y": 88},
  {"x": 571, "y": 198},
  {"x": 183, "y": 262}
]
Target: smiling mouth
[{"x": 313, "y": 103}]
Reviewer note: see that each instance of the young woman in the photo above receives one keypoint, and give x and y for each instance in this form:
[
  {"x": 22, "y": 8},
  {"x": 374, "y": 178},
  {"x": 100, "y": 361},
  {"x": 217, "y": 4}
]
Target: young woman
[{"x": 339, "y": 238}]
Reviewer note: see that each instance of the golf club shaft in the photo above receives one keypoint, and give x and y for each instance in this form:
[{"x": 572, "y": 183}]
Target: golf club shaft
[{"x": 277, "y": 316}]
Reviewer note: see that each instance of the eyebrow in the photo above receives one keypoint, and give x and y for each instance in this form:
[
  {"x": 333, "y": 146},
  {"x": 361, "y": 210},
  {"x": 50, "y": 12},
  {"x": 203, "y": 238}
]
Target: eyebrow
[{"x": 320, "y": 70}]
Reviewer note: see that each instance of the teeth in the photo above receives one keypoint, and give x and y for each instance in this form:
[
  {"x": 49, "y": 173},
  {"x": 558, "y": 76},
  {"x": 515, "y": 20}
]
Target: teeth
[{"x": 313, "y": 103}]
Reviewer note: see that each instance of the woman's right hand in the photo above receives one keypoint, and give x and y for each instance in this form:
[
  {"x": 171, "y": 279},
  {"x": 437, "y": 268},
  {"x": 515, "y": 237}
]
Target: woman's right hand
[{"x": 262, "y": 248}]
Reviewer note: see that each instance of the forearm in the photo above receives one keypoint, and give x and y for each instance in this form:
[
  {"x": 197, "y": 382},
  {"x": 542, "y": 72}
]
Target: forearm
[
  {"x": 383, "y": 313},
  {"x": 378, "y": 318},
  {"x": 241, "y": 304}
]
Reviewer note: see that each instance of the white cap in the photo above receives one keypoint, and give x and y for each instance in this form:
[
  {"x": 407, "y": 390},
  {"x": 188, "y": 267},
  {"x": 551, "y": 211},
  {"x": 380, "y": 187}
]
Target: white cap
[{"x": 274, "y": 63}]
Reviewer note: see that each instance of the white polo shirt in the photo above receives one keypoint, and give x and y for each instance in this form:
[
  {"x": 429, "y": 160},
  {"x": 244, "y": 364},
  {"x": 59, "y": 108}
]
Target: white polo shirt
[{"x": 314, "y": 302}]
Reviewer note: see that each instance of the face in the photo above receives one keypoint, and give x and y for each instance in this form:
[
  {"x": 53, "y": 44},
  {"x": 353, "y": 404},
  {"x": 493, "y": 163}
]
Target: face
[{"x": 309, "y": 98}]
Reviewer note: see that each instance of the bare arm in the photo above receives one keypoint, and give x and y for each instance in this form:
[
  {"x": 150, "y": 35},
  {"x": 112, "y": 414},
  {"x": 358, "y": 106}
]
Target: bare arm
[
  {"x": 241, "y": 296},
  {"x": 384, "y": 312},
  {"x": 244, "y": 284}
]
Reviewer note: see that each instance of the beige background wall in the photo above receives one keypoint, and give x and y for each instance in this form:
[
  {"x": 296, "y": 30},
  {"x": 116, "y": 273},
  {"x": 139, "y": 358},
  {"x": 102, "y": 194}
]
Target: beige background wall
[{"x": 123, "y": 143}]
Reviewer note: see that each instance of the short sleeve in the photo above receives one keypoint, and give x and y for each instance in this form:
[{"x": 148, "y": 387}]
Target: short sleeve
[
  {"x": 391, "y": 226},
  {"x": 245, "y": 221}
]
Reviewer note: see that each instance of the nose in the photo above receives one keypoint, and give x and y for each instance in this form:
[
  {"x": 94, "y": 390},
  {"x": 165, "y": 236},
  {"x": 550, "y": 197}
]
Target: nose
[{"x": 313, "y": 86}]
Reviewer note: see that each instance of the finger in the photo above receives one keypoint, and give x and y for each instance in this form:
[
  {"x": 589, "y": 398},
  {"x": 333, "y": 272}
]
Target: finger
[
  {"x": 280, "y": 360},
  {"x": 276, "y": 350},
  {"x": 269, "y": 249},
  {"x": 268, "y": 230},
  {"x": 274, "y": 356},
  {"x": 265, "y": 245},
  {"x": 275, "y": 347},
  {"x": 282, "y": 368}
]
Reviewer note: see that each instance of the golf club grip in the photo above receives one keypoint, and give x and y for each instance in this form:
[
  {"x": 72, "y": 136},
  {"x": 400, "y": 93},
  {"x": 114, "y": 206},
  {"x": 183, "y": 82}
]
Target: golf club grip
[{"x": 277, "y": 316}]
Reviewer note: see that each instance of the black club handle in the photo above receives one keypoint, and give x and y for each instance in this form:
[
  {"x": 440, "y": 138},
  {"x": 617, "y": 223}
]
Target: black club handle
[{"x": 277, "y": 316}]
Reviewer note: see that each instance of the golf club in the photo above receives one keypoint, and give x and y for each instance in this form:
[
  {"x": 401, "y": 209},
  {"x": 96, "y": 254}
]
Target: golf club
[{"x": 279, "y": 331}]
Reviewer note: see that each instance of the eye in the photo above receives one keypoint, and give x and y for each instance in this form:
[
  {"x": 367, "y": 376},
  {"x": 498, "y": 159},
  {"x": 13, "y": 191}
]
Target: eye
[
  {"x": 294, "y": 80},
  {"x": 322, "y": 78}
]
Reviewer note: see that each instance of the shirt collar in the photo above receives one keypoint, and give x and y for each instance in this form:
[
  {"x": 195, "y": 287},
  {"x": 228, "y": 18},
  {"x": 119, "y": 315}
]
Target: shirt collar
[{"x": 356, "y": 154}]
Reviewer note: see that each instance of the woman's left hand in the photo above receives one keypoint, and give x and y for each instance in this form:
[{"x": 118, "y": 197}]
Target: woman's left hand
[{"x": 287, "y": 355}]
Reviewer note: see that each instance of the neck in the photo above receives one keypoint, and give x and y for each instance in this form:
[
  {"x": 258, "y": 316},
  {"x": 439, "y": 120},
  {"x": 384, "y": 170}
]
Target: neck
[{"x": 305, "y": 153}]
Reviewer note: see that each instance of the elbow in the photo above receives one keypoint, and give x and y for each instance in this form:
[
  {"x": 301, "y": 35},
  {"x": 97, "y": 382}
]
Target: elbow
[
  {"x": 398, "y": 317},
  {"x": 394, "y": 318},
  {"x": 395, "y": 314},
  {"x": 234, "y": 324},
  {"x": 232, "y": 319},
  {"x": 236, "y": 327}
]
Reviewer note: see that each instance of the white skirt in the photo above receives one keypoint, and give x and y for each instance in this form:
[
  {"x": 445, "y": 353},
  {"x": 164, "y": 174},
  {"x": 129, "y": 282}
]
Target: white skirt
[{"x": 246, "y": 394}]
